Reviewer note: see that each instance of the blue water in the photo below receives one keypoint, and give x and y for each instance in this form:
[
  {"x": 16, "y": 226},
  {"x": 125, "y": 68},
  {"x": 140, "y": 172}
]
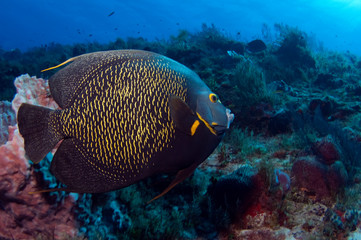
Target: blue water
[{"x": 25, "y": 23}]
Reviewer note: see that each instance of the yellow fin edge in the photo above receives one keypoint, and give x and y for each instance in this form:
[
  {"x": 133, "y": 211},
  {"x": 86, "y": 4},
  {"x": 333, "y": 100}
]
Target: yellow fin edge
[
  {"x": 181, "y": 175},
  {"x": 48, "y": 190},
  {"x": 61, "y": 64}
]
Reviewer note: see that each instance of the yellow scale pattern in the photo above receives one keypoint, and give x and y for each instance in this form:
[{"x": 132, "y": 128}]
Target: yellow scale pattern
[{"x": 122, "y": 115}]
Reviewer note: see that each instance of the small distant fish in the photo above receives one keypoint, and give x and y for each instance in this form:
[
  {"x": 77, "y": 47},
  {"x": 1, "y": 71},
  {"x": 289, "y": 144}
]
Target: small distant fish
[
  {"x": 279, "y": 87},
  {"x": 256, "y": 46},
  {"x": 125, "y": 115},
  {"x": 111, "y": 14}
]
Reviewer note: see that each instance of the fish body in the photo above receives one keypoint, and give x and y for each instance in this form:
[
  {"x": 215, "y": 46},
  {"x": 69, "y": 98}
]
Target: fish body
[{"x": 125, "y": 115}]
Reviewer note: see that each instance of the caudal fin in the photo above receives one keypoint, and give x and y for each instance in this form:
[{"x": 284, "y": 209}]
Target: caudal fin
[{"x": 33, "y": 123}]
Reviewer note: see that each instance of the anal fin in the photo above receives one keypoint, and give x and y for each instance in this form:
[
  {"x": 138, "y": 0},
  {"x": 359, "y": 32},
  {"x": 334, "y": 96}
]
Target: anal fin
[
  {"x": 72, "y": 167},
  {"x": 180, "y": 177}
]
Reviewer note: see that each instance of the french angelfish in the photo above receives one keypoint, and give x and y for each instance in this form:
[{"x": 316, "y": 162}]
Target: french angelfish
[{"x": 125, "y": 115}]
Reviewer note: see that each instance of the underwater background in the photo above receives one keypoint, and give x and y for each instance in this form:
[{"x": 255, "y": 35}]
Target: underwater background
[{"x": 289, "y": 167}]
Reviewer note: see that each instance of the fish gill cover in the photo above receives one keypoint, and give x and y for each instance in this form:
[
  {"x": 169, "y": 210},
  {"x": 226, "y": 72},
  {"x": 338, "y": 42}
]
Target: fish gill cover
[{"x": 288, "y": 168}]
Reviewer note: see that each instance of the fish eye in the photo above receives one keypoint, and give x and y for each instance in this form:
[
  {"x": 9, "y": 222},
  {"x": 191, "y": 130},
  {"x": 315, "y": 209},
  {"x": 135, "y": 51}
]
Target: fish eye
[{"x": 213, "y": 97}]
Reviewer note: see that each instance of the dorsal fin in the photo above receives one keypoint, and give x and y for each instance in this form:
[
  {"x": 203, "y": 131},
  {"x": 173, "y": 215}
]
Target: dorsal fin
[
  {"x": 66, "y": 84},
  {"x": 61, "y": 64}
]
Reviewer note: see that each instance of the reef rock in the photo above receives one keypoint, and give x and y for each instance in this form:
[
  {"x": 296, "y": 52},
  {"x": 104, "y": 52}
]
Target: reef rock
[
  {"x": 326, "y": 150},
  {"x": 319, "y": 180},
  {"x": 235, "y": 192},
  {"x": 258, "y": 234},
  {"x": 326, "y": 81},
  {"x": 24, "y": 215},
  {"x": 280, "y": 122},
  {"x": 7, "y": 118}
]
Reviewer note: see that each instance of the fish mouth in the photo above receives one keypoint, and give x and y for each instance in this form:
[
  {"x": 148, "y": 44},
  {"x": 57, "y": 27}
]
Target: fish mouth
[
  {"x": 230, "y": 117},
  {"x": 221, "y": 129}
]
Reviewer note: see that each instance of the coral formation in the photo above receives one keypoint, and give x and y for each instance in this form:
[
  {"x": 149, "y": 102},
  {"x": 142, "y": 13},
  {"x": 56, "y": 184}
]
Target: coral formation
[
  {"x": 280, "y": 122},
  {"x": 318, "y": 179},
  {"x": 326, "y": 150},
  {"x": 24, "y": 215},
  {"x": 102, "y": 216},
  {"x": 235, "y": 192},
  {"x": 293, "y": 48},
  {"x": 7, "y": 118}
]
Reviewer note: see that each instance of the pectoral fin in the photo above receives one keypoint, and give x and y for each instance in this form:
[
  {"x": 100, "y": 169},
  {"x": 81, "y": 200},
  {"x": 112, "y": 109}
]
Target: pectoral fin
[
  {"x": 183, "y": 116},
  {"x": 181, "y": 175}
]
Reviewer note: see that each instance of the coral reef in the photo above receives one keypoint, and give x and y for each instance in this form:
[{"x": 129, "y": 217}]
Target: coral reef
[
  {"x": 326, "y": 150},
  {"x": 289, "y": 168},
  {"x": 235, "y": 192},
  {"x": 293, "y": 48},
  {"x": 318, "y": 179},
  {"x": 102, "y": 216},
  {"x": 24, "y": 215},
  {"x": 280, "y": 122},
  {"x": 7, "y": 118}
]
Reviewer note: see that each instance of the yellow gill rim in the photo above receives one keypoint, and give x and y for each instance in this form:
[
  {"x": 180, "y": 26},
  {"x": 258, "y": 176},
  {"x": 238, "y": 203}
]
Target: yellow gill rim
[
  {"x": 194, "y": 127},
  {"x": 207, "y": 124}
]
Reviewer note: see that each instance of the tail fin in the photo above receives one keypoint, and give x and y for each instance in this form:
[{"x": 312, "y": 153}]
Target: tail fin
[{"x": 33, "y": 122}]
